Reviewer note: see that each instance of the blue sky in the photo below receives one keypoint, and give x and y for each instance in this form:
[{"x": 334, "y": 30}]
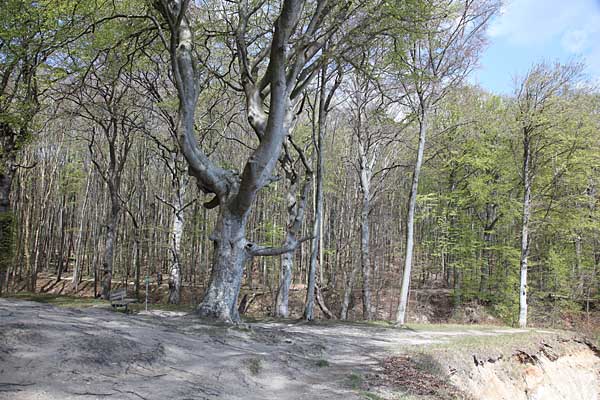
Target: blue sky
[{"x": 530, "y": 31}]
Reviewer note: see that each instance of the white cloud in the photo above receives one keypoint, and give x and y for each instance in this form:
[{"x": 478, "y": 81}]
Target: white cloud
[
  {"x": 536, "y": 22},
  {"x": 572, "y": 27},
  {"x": 575, "y": 41}
]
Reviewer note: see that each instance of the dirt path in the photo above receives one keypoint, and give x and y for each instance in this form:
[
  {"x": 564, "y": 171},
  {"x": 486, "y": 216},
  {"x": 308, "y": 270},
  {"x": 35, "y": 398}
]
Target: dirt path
[{"x": 55, "y": 353}]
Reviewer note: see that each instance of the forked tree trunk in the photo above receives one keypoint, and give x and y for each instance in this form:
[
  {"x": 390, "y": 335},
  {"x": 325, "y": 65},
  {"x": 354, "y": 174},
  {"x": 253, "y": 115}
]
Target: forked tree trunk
[
  {"x": 235, "y": 193},
  {"x": 296, "y": 208},
  {"x": 410, "y": 223}
]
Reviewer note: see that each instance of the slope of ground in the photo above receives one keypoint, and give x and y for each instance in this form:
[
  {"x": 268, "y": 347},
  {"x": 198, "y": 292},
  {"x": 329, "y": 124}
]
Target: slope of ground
[{"x": 48, "y": 352}]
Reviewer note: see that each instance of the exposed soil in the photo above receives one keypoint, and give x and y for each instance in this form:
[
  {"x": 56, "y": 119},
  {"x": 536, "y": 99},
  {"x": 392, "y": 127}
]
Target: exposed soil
[{"x": 55, "y": 353}]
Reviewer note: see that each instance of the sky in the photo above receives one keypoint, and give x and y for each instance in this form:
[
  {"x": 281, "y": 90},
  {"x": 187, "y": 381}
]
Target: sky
[{"x": 529, "y": 31}]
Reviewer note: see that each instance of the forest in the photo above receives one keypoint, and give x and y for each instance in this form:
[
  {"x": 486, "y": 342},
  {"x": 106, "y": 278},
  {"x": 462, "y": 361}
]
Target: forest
[{"x": 328, "y": 159}]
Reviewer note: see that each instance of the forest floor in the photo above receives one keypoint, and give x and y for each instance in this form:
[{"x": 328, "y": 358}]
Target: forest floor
[{"x": 50, "y": 352}]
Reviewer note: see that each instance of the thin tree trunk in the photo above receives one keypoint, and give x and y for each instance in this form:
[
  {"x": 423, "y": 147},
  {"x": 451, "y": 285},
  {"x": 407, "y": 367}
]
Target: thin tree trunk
[
  {"x": 296, "y": 208},
  {"x": 525, "y": 233},
  {"x": 323, "y": 109},
  {"x": 177, "y": 231},
  {"x": 348, "y": 291},
  {"x": 109, "y": 250},
  {"x": 349, "y": 280},
  {"x": 79, "y": 253},
  {"x": 410, "y": 222},
  {"x": 310, "y": 290},
  {"x": 62, "y": 239},
  {"x": 365, "y": 183}
]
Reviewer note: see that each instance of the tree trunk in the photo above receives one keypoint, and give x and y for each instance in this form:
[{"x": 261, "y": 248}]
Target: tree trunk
[
  {"x": 285, "y": 280},
  {"x": 177, "y": 230},
  {"x": 410, "y": 222},
  {"x": 365, "y": 183},
  {"x": 319, "y": 140},
  {"x": 235, "y": 193},
  {"x": 62, "y": 240},
  {"x": 138, "y": 264},
  {"x": 348, "y": 291},
  {"x": 310, "y": 290},
  {"x": 525, "y": 233},
  {"x": 79, "y": 254},
  {"x": 109, "y": 250},
  {"x": 229, "y": 257},
  {"x": 296, "y": 210}
]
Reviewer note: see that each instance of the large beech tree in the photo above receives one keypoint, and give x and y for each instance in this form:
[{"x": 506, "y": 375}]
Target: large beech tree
[{"x": 277, "y": 57}]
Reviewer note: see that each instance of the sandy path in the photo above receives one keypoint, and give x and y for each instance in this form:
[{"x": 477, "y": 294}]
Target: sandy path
[{"x": 55, "y": 353}]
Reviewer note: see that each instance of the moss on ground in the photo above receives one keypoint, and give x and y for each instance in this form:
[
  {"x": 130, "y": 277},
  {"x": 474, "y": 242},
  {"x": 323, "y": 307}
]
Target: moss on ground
[
  {"x": 59, "y": 300},
  {"x": 84, "y": 302}
]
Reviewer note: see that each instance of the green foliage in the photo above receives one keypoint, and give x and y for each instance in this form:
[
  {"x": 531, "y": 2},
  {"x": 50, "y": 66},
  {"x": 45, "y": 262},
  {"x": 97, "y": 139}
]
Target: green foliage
[{"x": 273, "y": 232}]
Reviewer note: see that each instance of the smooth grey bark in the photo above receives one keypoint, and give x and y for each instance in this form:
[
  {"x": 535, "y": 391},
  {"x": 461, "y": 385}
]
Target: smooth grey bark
[
  {"x": 325, "y": 96},
  {"x": 296, "y": 209},
  {"x": 410, "y": 221},
  {"x": 175, "y": 275},
  {"x": 229, "y": 257},
  {"x": 62, "y": 223},
  {"x": 350, "y": 279},
  {"x": 312, "y": 269},
  {"x": 111, "y": 239},
  {"x": 366, "y": 173},
  {"x": 79, "y": 255},
  {"x": 527, "y": 178},
  {"x": 348, "y": 291}
]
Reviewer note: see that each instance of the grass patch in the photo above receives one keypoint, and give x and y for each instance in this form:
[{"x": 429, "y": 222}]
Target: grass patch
[
  {"x": 59, "y": 300},
  {"x": 485, "y": 343},
  {"x": 453, "y": 327},
  {"x": 84, "y": 302},
  {"x": 371, "y": 395},
  {"x": 254, "y": 365},
  {"x": 322, "y": 363},
  {"x": 355, "y": 380}
]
